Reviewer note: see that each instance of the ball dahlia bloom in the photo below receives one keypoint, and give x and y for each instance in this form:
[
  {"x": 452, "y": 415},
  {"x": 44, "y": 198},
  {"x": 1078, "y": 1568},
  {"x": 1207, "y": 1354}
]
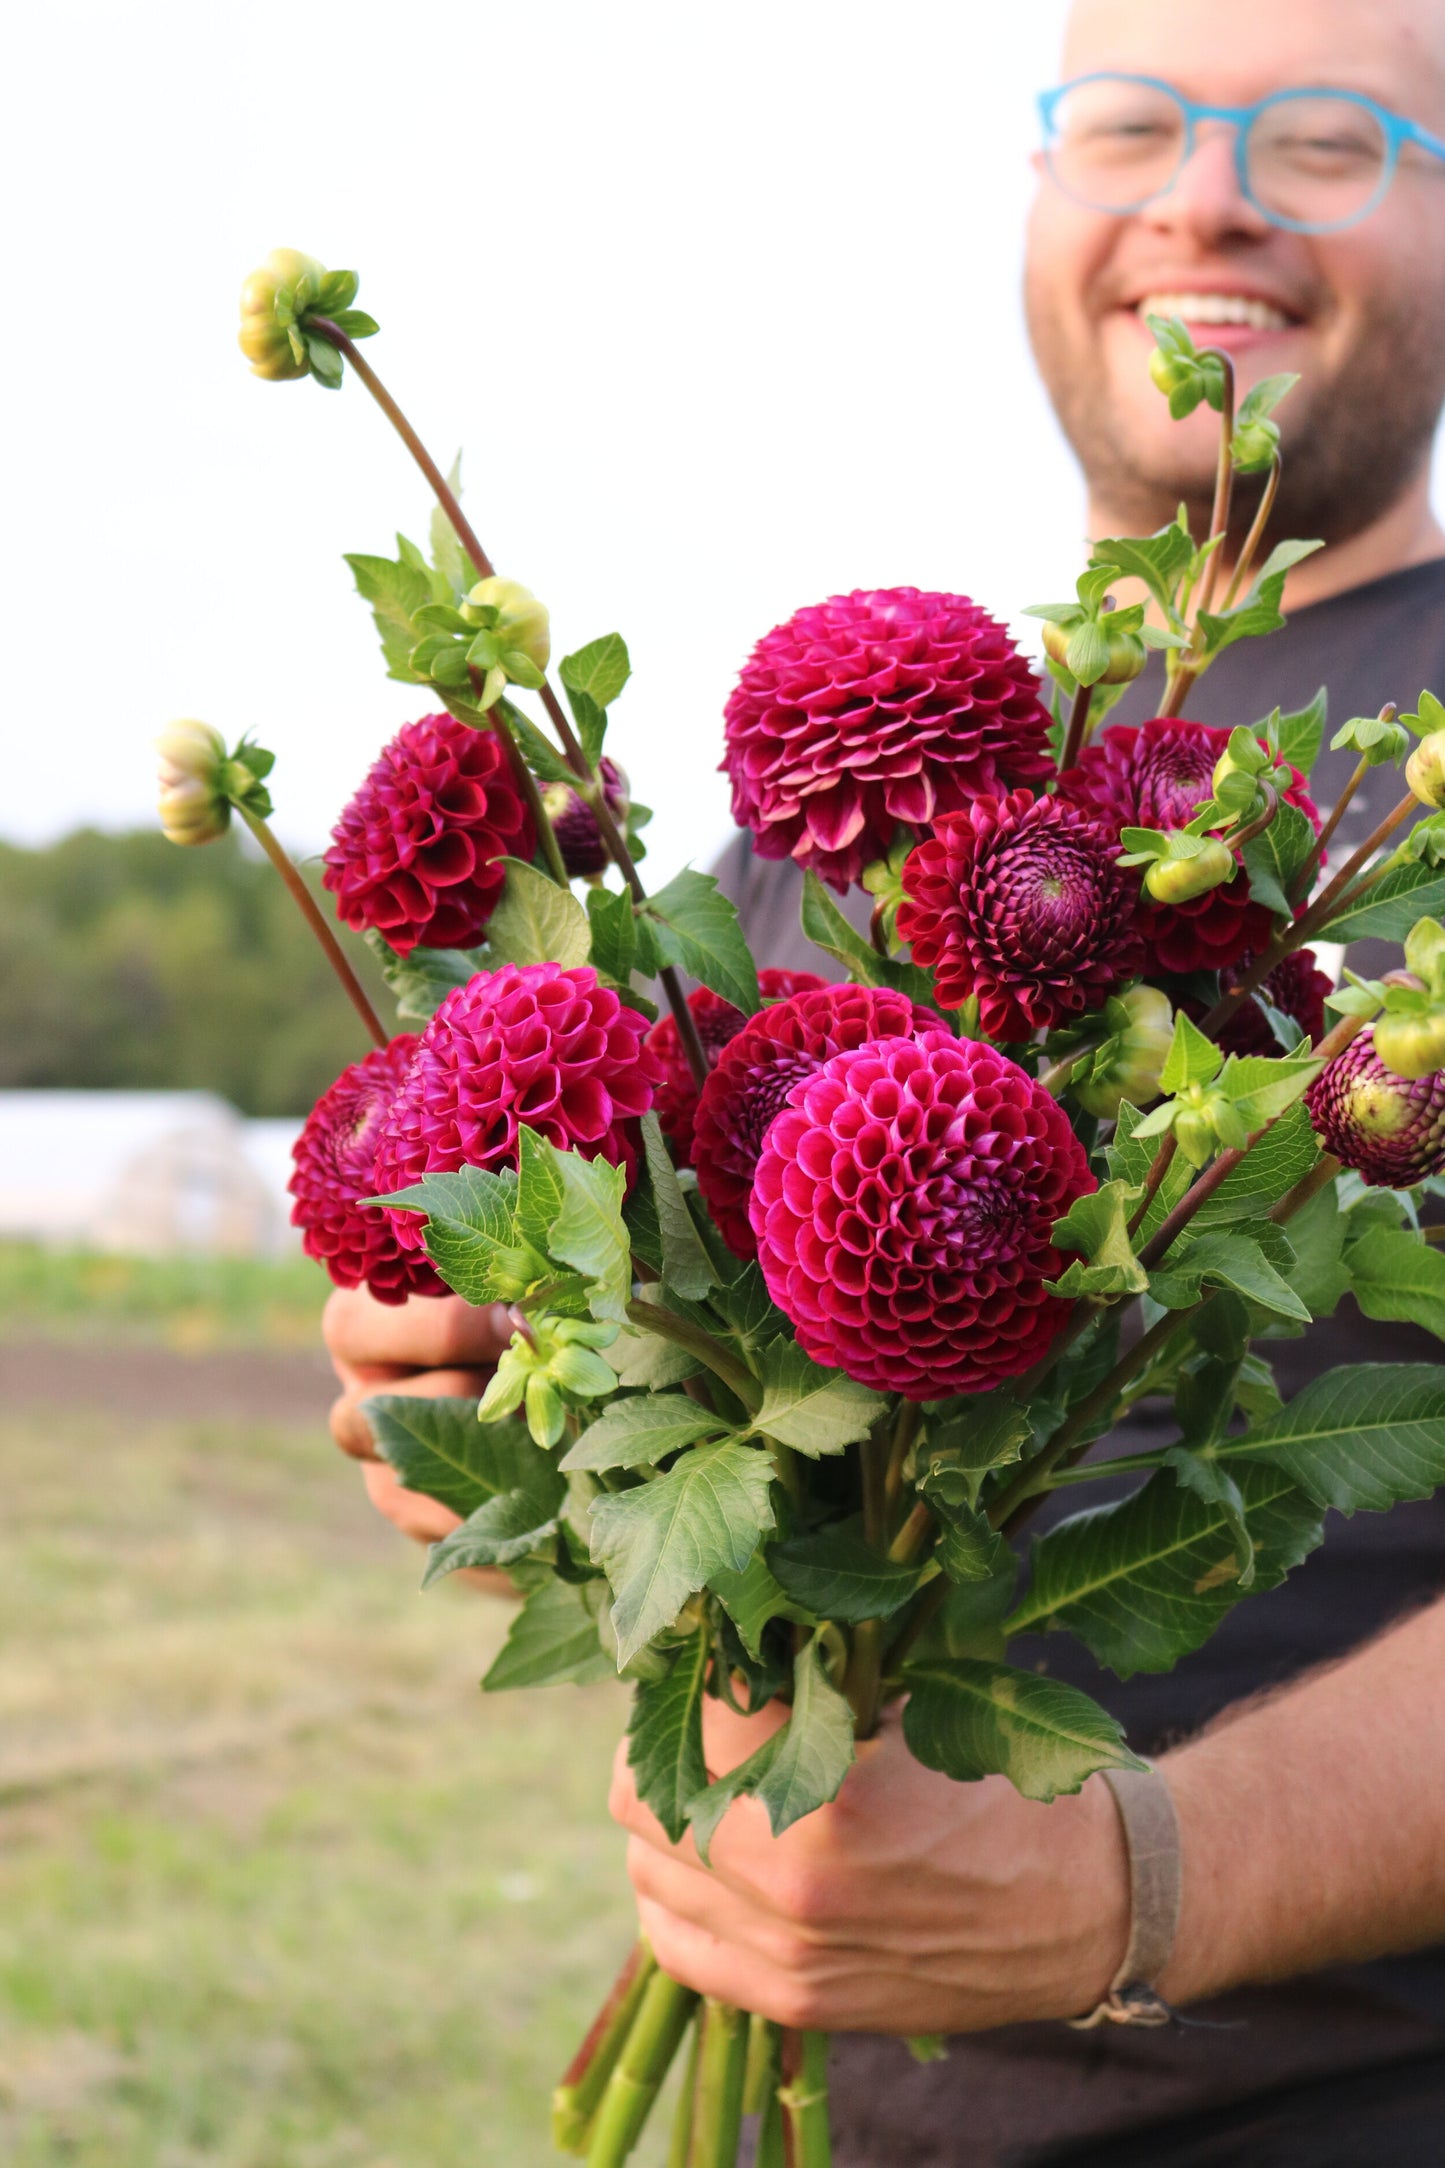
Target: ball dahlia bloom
[
  {"x": 528, "y": 1043},
  {"x": 334, "y": 1163},
  {"x": 902, "y": 1207},
  {"x": 1155, "y": 776},
  {"x": 1390, "y": 1129},
  {"x": 871, "y": 709},
  {"x": 1296, "y": 987},
  {"x": 758, "y": 1068},
  {"x": 414, "y": 853},
  {"x": 1019, "y": 901},
  {"x": 718, "y": 1022}
]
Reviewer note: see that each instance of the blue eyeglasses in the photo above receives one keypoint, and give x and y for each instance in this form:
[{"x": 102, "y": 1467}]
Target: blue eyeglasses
[{"x": 1312, "y": 161}]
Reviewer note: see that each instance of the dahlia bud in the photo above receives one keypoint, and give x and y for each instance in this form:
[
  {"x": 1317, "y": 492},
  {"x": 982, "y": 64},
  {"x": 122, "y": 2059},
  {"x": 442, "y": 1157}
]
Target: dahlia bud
[
  {"x": 1253, "y": 446},
  {"x": 516, "y": 614},
  {"x": 1194, "y": 1135},
  {"x": 551, "y": 1366},
  {"x": 1095, "y": 651},
  {"x": 574, "y": 823},
  {"x": 265, "y": 337},
  {"x": 1178, "y": 880},
  {"x": 1390, "y": 1129},
  {"x": 1129, "y": 1064},
  {"x": 1412, "y": 1045},
  {"x": 1425, "y": 770},
  {"x": 193, "y": 804},
  {"x": 1171, "y": 372}
]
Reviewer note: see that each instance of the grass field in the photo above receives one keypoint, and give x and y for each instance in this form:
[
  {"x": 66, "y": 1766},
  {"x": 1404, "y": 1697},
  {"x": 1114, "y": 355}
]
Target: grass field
[
  {"x": 188, "y": 1303},
  {"x": 278, "y": 1888}
]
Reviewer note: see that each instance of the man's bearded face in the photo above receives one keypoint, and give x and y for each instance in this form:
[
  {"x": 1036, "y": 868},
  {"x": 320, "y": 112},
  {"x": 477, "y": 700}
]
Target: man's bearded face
[{"x": 1359, "y": 314}]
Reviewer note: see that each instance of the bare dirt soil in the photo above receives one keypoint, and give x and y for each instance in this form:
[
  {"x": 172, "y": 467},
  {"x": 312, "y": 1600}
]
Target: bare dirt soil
[{"x": 265, "y": 1385}]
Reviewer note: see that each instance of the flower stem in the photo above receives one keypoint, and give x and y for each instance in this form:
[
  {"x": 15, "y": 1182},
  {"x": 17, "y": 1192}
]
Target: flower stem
[
  {"x": 905, "y": 1430},
  {"x": 712, "y": 1352},
  {"x": 804, "y": 2100},
  {"x": 311, "y": 912},
  {"x": 1345, "y": 885},
  {"x": 646, "y": 2058},
  {"x": 679, "y": 2149},
  {"x": 762, "y": 2073},
  {"x": 1256, "y": 533},
  {"x": 768, "y": 2149},
  {"x": 1185, "y": 668},
  {"x": 1303, "y": 881},
  {"x": 613, "y": 840},
  {"x": 1163, "y": 1160},
  {"x": 531, "y": 791},
  {"x": 574, "y": 2103},
  {"x": 722, "y": 2068},
  {"x": 1261, "y": 821},
  {"x": 1074, "y": 736}
]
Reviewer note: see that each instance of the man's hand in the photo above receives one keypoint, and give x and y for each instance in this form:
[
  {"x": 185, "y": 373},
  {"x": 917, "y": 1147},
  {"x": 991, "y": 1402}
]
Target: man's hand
[
  {"x": 432, "y": 1346},
  {"x": 911, "y": 1905}
]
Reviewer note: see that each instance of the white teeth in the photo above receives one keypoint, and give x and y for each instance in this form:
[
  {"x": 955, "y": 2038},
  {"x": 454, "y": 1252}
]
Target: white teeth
[{"x": 1215, "y": 309}]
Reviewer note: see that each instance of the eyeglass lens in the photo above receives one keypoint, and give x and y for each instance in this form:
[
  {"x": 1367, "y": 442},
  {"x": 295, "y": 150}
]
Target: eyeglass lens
[{"x": 1314, "y": 161}]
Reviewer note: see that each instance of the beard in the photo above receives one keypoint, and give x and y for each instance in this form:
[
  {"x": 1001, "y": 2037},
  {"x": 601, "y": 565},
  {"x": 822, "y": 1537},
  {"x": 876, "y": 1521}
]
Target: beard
[{"x": 1353, "y": 442}]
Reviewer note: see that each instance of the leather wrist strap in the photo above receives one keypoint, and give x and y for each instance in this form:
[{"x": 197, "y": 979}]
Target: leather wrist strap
[{"x": 1151, "y": 1838}]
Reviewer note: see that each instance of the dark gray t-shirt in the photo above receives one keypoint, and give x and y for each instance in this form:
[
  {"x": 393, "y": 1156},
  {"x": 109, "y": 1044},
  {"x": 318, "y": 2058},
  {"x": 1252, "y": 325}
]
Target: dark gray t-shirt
[{"x": 1022, "y": 2094}]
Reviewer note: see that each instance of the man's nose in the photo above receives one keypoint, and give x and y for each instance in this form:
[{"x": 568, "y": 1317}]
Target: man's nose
[{"x": 1207, "y": 203}]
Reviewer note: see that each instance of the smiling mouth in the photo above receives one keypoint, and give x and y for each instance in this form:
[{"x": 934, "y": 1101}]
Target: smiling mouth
[{"x": 1242, "y": 309}]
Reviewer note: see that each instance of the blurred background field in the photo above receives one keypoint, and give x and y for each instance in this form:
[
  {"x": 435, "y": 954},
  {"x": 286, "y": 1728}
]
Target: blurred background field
[{"x": 278, "y": 1887}]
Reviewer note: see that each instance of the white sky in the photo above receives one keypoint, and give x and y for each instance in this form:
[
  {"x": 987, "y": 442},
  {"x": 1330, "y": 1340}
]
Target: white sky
[{"x": 721, "y": 302}]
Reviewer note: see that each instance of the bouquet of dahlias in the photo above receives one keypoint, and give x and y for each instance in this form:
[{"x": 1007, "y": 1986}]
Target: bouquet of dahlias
[{"x": 794, "y": 1264}]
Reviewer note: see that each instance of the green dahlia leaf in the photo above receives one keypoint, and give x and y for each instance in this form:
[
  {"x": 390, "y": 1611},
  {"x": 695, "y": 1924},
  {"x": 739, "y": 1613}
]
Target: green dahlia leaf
[
  {"x": 520, "y": 1514},
  {"x": 1145, "y": 1581},
  {"x": 600, "y": 669},
  {"x": 1274, "y": 857},
  {"x": 589, "y": 1233},
  {"x": 553, "y": 1640},
  {"x": 1269, "y": 1169},
  {"x": 439, "y": 1448},
  {"x": 639, "y": 1432},
  {"x": 1397, "y": 1275},
  {"x": 975, "y": 1719},
  {"x": 1297, "y": 737},
  {"x": 1130, "y": 1158},
  {"x": 535, "y": 922},
  {"x": 471, "y": 1234},
  {"x": 395, "y": 590},
  {"x": 662, "y": 1542},
  {"x": 1366, "y": 1436},
  {"x": 697, "y": 930},
  {"x": 799, "y": 1769},
  {"x": 1391, "y": 908},
  {"x": 750, "y": 1599},
  {"x": 1251, "y": 1259},
  {"x": 809, "y": 1407},
  {"x": 419, "y": 983},
  {"x": 614, "y": 933},
  {"x": 834, "y": 1574},
  {"x": 664, "y": 1736},
  {"x": 827, "y": 928},
  {"x": 686, "y": 1268}
]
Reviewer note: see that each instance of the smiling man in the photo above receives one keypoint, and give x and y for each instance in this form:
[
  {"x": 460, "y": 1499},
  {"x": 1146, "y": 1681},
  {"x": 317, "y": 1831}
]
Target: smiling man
[{"x": 1276, "y": 179}]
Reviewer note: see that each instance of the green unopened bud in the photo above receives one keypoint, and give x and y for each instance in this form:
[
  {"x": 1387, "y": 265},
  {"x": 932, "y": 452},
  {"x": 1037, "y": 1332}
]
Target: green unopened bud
[
  {"x": 1178, "y": 880},
  {"x": 1171, "y": 372},
  {"x": 1194, "y": 1135},
  {"x": 1412, "y": 1046},
  {"x": 1425, "y": 770},
  {"x": 1130, "y": 1063},
  {"x": 1253, "y": 446},
  {"x": 193, "y": 802},
  {"x": 516, "y": 616},
  {"x": 265, "y": 337}
]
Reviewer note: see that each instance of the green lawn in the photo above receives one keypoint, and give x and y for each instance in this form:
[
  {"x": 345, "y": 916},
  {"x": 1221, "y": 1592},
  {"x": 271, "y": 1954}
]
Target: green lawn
[
  {"x": 190, "y": 1303},
  {"x": 278, "y": 1888}
]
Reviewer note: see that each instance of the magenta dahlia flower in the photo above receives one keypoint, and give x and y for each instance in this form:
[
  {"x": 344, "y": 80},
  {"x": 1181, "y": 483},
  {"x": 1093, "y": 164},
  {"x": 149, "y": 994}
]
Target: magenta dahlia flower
[
  {"x": 575, "y": 824},
  {"x": 875, "y": 709},
  {"x": 718, "y": 1022},
  {"x": 758, "y": 1068},
  {"x": 902, "y": 1207},
  {"x": 1156, "y": 776},
  {"x": 1019, "y": 901},
  {"x": 1390, "y": 1129},
  {"x": 528, "y": 1043},
  {"x": 1296, "y": 987},
  {"x": 334, "y": 1160},
  {"x": 414, "y": 855}
]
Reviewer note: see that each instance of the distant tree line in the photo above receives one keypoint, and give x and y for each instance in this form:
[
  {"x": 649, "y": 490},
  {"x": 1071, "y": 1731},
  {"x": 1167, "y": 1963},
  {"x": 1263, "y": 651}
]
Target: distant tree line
[{"x": 128, "y": 963}]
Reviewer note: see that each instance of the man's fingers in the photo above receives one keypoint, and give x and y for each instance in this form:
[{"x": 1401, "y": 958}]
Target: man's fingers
[
  {"x": 427, "y": 1332},
  {"x": 349, "y": 1425}
]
